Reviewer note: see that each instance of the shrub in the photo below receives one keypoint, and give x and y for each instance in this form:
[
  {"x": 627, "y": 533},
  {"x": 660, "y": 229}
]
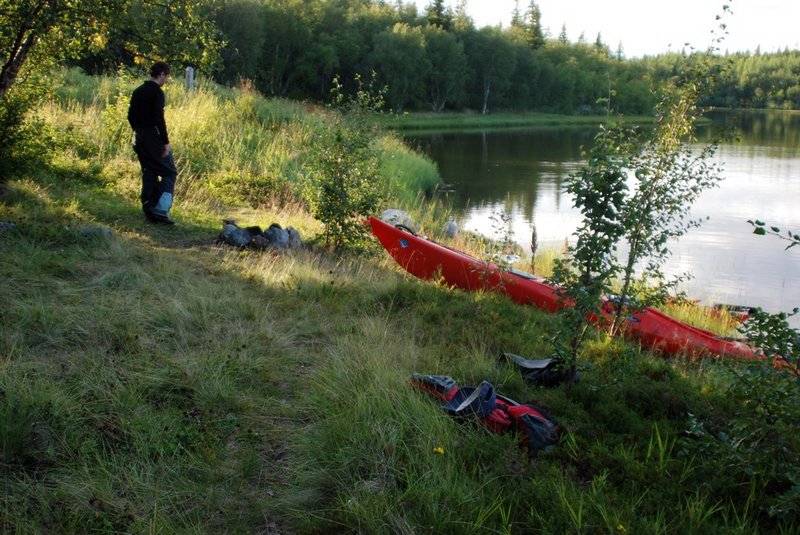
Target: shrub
[
  {"x": 23, "y": 138},
  {"x": 342, "y": 179},
  {"x": 763, "y": 437}
]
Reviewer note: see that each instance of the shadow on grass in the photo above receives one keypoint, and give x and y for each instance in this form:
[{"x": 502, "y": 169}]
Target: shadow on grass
[
  {"x": 146, "y": 385},
  {"x": 77, "y": 196}
]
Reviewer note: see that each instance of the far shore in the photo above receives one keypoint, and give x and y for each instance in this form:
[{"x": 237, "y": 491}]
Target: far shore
[{"x": 475, "y": 121}]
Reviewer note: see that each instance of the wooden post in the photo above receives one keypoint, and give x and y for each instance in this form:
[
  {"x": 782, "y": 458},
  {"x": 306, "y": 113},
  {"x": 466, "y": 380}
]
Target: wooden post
[{"x": 190, "y": 78}]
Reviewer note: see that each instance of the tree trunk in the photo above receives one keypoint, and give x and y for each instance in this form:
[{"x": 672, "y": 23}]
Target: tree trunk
[
  {"x": 438, "y": 97},
  {"x": 17, "y": 57},
  {"x": 35, "y": 23}
]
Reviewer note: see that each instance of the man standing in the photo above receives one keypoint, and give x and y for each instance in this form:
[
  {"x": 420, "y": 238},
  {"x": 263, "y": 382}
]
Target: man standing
[{"x": 151, "y": 143}]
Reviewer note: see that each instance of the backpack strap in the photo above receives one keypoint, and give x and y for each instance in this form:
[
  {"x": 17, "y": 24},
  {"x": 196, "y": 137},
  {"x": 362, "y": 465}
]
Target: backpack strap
[
  {"x": 498, "y": 421},
  {"x": 472, "y": 401}
]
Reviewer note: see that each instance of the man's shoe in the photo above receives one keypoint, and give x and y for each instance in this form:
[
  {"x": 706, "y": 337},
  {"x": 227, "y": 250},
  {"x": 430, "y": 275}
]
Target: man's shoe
[
  {"x": 154, "y": 217},
  {"x": 150, "y": 217}
]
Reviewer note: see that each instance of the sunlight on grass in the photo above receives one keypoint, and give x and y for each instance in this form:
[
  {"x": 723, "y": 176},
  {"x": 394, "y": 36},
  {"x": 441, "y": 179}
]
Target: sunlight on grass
[{"x": 157, "y": 381}]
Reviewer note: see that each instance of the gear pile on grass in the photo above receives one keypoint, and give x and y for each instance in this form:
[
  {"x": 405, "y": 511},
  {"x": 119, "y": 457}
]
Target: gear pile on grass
[
  {"x": 275, "y": 237},
  {"x": 483, "y": 405}
]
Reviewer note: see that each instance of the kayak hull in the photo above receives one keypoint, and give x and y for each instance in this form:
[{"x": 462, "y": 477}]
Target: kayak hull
[{"x": 653, "y": 329}]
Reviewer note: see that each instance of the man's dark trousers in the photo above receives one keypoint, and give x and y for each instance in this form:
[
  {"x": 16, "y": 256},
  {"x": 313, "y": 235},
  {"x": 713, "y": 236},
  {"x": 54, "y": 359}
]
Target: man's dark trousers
[{"x": 156, "y": 194}]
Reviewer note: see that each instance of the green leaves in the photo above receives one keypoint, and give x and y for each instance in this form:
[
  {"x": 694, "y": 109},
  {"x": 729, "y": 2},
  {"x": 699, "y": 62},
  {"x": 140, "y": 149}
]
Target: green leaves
[
  {"x": 760, "y": 229},
  {"x": 640, "y": 189},
  {"x": 400, "y": 56},
  {"x": 448, "y": 73},
  {"x": 764, "y": 440},
  {"x": 342, "y": 179},
  {"x": 492, "y": 62}
]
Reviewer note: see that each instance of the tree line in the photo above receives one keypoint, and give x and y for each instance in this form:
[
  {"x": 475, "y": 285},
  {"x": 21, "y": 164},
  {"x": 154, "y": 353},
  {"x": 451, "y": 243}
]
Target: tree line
[
  {"x": 435, "y": 59},
  {"x": 438, "y": 60}
]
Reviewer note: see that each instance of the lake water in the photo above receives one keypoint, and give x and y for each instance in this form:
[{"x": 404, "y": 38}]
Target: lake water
[{"x": 520, "y": 173}]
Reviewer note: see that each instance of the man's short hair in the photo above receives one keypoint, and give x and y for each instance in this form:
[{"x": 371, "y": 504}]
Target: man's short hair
[{"x": 159, "y": 68}]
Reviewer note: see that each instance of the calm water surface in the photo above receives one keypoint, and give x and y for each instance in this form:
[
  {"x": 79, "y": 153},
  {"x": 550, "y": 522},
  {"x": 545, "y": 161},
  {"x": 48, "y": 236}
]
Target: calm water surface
[{"x": 521, "y": 173}]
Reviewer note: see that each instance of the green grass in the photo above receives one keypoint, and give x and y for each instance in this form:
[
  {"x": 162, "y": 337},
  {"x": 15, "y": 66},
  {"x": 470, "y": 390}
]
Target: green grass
[
  {"x": 474, "y": 121},
  {"x": 155, "y": 381}
]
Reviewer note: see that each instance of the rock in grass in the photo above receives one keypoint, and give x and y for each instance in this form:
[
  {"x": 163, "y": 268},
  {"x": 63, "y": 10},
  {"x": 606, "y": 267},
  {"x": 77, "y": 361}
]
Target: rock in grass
[
  {"x": 233, "y": 235},
  {"x": 44, "y": 442},
  {"x": 277, "y": 236},
  {"x": 451, "y": 228},
  {"x": 259, "y": 242},
  {"x": 294, "y": 238}
]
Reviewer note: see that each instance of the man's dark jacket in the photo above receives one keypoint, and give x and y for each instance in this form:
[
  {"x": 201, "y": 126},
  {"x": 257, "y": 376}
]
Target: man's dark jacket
[{"x": 146, "y": 109}]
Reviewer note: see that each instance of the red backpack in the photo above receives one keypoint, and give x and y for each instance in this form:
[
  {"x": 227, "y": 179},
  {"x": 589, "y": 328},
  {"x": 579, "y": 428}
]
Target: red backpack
[{"x": 498, "y": 413}]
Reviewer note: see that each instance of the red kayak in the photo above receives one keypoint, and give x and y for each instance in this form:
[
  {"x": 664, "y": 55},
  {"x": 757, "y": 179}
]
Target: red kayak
[{"x": 429, "y": 260}]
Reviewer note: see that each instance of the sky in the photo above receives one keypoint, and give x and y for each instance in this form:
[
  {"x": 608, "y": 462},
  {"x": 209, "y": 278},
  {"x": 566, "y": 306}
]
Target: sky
[{"x": 649, "y": 27}]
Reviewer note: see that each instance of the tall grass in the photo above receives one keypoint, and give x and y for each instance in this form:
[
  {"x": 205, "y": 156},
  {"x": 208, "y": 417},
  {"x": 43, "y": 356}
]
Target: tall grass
[
  {"x": 232, "y": 144},
  {"x": 154, "y": 381},
  {"x": 407, "y": 172}
]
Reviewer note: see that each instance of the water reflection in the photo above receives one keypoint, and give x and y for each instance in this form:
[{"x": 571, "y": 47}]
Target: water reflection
[
  {"x": 521, "y": 172},
  {"x": 778, "y": 130}
]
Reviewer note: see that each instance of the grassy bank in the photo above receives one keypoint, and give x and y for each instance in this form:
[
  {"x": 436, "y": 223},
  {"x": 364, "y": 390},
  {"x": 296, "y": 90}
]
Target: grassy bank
[
  {"x": 155, "y": 381},
  {"x": 475, "y": 121}
]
